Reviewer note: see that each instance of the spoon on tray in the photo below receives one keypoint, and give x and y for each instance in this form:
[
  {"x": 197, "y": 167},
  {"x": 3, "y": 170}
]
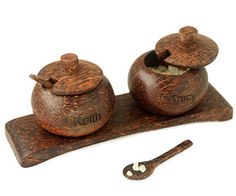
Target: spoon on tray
[{"x": 142, "y": 170}]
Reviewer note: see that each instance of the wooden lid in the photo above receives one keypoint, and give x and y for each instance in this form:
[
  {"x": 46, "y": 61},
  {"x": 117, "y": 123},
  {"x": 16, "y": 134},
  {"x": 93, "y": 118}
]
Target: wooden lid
[
  {"x": 188, "y": 48},
  {"x": 69, "y": 76}
]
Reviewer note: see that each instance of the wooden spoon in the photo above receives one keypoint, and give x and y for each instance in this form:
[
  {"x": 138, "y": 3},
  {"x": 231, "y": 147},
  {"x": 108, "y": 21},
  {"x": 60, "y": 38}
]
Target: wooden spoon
[{"x": 141, "y": 170}]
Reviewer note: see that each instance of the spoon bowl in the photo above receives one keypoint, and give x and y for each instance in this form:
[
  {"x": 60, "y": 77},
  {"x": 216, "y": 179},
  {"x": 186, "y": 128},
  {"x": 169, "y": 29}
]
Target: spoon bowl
[{"x": 132, "y": 174}]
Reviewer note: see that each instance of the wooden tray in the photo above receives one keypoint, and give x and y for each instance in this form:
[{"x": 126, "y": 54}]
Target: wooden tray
[{"x": 33, "y": 145}]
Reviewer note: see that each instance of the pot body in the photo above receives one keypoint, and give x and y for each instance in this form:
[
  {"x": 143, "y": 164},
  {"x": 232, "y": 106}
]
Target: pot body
[
  {"x": 165, "y": 94},
  {"x": 74, "y": 115}
]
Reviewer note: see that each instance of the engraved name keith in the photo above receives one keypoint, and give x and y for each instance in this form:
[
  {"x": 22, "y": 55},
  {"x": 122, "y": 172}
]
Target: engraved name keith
[
  {"x": 92, "y": 118},
  {"x": 183, "y": 98}
]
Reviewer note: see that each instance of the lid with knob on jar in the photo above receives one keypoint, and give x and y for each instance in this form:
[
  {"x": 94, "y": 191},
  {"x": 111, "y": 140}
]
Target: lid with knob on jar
[
  {"x": 188, "y": 49},
  {"x": 69, "y": 76}
]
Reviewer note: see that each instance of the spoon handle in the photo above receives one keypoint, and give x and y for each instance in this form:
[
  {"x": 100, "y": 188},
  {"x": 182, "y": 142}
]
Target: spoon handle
[
  {"x": 44, "y": 83},
  {"x": 174, "y": 151}
]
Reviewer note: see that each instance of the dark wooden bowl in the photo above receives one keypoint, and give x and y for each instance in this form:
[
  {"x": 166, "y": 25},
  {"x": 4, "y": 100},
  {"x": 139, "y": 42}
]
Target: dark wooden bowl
[
  {"x": 165, "y": 94},
  {"x": 72, "y": 97},
  {"x": 73, "y": 115}
]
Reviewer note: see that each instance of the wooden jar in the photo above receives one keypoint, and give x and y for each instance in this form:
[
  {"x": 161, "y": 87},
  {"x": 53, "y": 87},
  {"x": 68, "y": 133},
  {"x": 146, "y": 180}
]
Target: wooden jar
[
  {"x": 72, "y": 97},
  {"x": 173, "y": 93}
]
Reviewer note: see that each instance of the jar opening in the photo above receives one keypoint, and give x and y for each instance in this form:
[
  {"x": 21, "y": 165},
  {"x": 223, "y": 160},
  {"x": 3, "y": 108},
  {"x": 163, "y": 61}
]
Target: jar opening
[
  {"x": 168, "y": 70},
  {"x": 154, "y": 64}
]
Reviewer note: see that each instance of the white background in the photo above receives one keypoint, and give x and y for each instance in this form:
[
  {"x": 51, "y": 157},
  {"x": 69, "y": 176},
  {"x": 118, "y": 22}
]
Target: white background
[{"x": 113, "y": 34}]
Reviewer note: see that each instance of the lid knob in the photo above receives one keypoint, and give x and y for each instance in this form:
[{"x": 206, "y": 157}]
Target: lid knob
[
  {"x": 70, "y": 63},
  {"x": 188, "y": 36}
]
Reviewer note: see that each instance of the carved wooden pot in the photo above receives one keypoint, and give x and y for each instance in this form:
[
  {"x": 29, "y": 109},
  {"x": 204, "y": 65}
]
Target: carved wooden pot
[
  {"x": 173, "y": 92},
  {"x": 72, "y": 97}
]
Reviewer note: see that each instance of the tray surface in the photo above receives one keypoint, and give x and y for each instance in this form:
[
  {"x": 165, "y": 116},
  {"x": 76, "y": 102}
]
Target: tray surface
[{"x": 33, "y": 145}]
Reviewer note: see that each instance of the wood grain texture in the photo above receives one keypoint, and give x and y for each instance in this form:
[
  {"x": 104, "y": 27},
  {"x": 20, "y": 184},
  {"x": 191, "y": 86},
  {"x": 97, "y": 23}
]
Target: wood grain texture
[
  {"x": 88, "y": 77},
  {"x": 165, "y": 94},
  {"x": 188, "y": 48},
  {"x": 33, "y": 145},
  {"x": 137, "y": 174},
  {"x": 81, "y": 77},
  {"x": 74, "y": 115},
  {"x": 72, "y": 97}
]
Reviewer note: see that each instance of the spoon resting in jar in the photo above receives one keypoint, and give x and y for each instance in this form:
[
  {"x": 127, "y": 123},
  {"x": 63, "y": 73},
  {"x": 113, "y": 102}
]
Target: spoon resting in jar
[{"x": 142, "y": 170}]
